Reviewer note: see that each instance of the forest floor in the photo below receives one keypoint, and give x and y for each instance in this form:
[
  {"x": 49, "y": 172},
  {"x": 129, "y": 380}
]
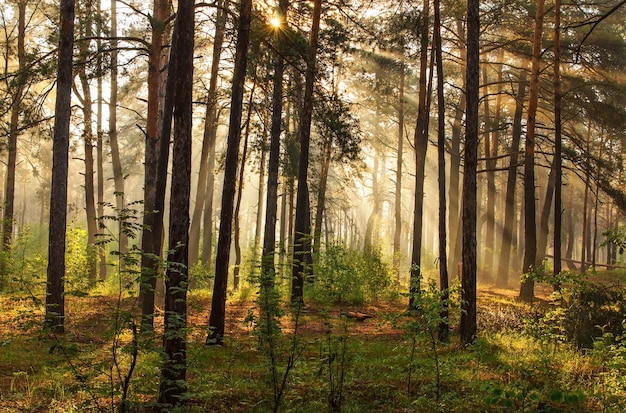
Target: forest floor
[{"x": 389, "y": 362}]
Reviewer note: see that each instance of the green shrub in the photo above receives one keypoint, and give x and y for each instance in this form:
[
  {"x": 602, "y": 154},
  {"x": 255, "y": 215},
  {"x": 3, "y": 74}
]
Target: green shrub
[{"x": 344, "y": 275}]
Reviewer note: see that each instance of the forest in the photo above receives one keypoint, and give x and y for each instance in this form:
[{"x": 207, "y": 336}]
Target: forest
[{"x": 299, "y": 206}]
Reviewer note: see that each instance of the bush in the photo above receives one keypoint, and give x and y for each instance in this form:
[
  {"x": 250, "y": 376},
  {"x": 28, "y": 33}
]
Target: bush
[
  {"x": 343, "y": 275},
  {"x": 583, "y": 312}
]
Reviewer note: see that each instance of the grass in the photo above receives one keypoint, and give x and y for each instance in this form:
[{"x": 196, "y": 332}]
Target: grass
[{"x": 505, "y": 370}]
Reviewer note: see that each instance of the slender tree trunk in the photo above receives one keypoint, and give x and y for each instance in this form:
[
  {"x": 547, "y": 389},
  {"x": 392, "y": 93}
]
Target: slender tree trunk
[
  {"x": 585, "y": 232},
  {"x": 240, "y": 184},
  {"x": 397, "y": 235},
  {"x": 55, "y": 300},
  {"x": 468, "y": 280},
  {"x": 174, "y": 369},
  {"x": 118, "y": 175},
  {"x": 455, "y": 167},
  {"x": 16, "y": 108},
  {"x": 90, "y": 207},
  {"x": 544, "y": 220},
  {"x": 261, "y": 194},
  {"x": 208, "y": 143},
  {"x": 527, "y": 287},
  {"x": 321, "y": 198},
  {"x": 269, "y": 235},
  {"x": 302, "y": 227},
  {"x": 441, "y": 152},
  {"x": 490, "y": 165},
  {"x": 218, "y": 304},
  {"x": 150, "y": 257},
  {"x": 558, "y": 185},
  {"x": 421, "y": 146},
  {"x": 102, "y": 253}
]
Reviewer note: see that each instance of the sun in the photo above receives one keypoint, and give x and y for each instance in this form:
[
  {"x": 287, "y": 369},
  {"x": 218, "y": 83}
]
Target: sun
[{"x": 275, "y": 22}]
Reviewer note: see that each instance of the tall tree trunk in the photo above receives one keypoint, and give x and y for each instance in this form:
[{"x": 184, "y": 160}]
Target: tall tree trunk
[
  {"x": 90, "y": 206},
  {"x": 490, "y": 165},
  {"x": 421, "y": 145},
  {"x": 558, "y": 139},
  {"x": 16, "y": 108},
  {"x": 373, "y": 220},
  {"x": 150, "y": 257},
  {"x": 302, "y": 227},
  {"x": 468, "y": 280},
  {"x": 441, "y": 163},
  {"x": 102, "y": 253},
  {"x": 55, "y": 300},
  {"x": 321, "y": 197},
  {"x": 218, "y": 304},
  {"x": 397, "y": 235},
  {"x": 208, "y": 143},
  {"x": 86, "y": 102},
  {"x": 269, "y": 235},
  {"x": 544, "y": 220},
  {"x": 585, "y": 232},
  {"x": 527, "y": 288},
  {"x": 261, "y": 194},
  {"x": 118, "y": 174},
  {"x": 240, "y": 183},
  {"x": 455, "y": 167},
  {"x": 174, "y": 369}
]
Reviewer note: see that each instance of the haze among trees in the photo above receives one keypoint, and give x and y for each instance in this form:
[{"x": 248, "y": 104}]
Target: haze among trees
[{"x": 245, "y": 202}]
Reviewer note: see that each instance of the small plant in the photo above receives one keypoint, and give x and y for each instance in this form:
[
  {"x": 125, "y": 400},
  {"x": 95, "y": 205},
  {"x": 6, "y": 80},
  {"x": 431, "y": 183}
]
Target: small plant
[{"x": 334, "y": 362}]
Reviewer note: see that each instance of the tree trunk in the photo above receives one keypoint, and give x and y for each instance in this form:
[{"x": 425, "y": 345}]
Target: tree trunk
[
  {"x": 118, "y": 175},
  {"x": 321, "y": 197},
  {"x": 455, "y": 167},
  {"x": 218, "y": 304},
  {"x": 302, "y": 227},
  {"x": 584, "y": 253},
  {"x": 261, "y": 195},
  {"x": 269, "y": 235},
  {"x": 397, "y": 235},
  {"x": 90, "y": 206},
  {"x": 441, "y": 163},
  {"x": 55, "y": 300},
  {"x": 102, "y": 252},
  {"x": 208, "y": 143},
  {"x": 527, "y": 287},
  {"x": 421, "y": 145},
  {"x": 174, "y": 369},
  {"x": 240, "y": 184},
  {"x": 544, "y": 220},
  {"x": 16, "y": 108},
  {"x": 490, "y": 164},
  {"x": 509, "y": 211},
  {"x": 468, "y": 281},
  {"x": 558, "y": 185},
  {"x": 150, "y": 257}
]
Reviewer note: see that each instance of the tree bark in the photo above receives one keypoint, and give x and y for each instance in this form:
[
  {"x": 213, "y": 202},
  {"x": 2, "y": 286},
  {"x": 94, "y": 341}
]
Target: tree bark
[
  {"x": 558, "y": 140},
  {"x": 240, "y": 184},
  {"x": 302, "y": 227},
  {"x": 55, "y": 300},
  {"x": 455, "y": 167},
  {"x": 218, "y": 304},
  {"x": 118, "y": 174},
  {"x": 173, "y": 384},
  {"x": 208, "y": 143},
  {"x": 421, "y": 146},
  {"x": 530, "y": 226},
  {"x": 150, "y": 257},
  {"x": 102, "y": 253},
  {"x": 468, "y": 280},
  {"x": 16, "y": 108},
  {"x": 269, "y": 235},
  {"x": 441, "y": 163},
  {"x": 397, "y": 234}
]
